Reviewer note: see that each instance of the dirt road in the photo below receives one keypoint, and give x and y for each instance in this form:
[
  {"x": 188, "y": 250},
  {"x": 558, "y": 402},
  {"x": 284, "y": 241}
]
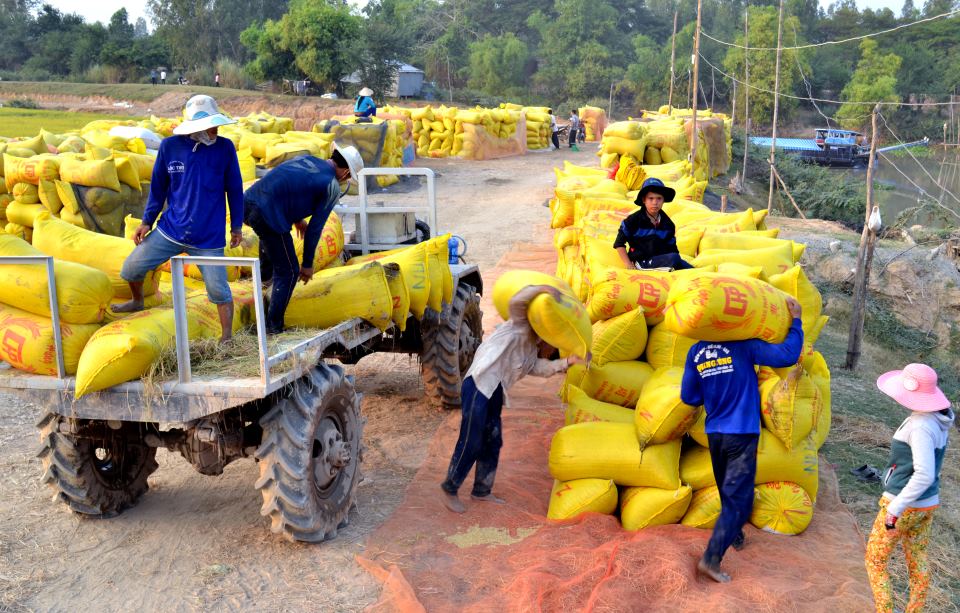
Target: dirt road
[{"x": 199, "y": 543}]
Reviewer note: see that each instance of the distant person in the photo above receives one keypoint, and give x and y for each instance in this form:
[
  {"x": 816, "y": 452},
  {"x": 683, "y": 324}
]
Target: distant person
[
  {"x": 574, "y": 129},
  {"x": 180, "y": 79},
  {"x": 153, "y": 76},
  {"x": 582, "y": 133},
  {"x": 293, "y": 191},
  {"x": 193, "y": 171},
  {"x": 216, "y": 79},
  {"x": 554, "y": 130},
  {"x": 512, "y": 351},
  {"x": 163, "y": 77},
  {"x": 648, "y": 238},
  {"x": 365, "y": 107},
  {"x": 728, "y": 390},
  {"x": 911, "y": 483}
]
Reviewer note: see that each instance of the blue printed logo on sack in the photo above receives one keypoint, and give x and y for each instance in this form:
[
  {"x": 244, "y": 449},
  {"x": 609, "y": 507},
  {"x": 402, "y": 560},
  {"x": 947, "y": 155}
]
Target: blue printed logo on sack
[{"x": 175, "y": 167}]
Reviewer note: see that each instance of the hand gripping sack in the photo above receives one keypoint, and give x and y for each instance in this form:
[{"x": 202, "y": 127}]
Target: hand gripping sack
[
  {"x": 781, "y": 507},
  {"x": 602, "y": 450},
  {"x": 641, "y": 507},
  {"x": 27, "y": 343},
  {"x": 83, "y": 293},
  {"x": 340, "y": 294},
  {"x": 570, "y": 499},
  {"x": 718, "y": 307},
  {"x": 660, "y": 415},
  {"x": 582, "y": 408}
]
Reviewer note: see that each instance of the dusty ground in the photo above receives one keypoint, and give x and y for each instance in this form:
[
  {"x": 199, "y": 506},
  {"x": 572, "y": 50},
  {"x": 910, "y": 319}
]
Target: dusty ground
[{"x": 199, "y": 543}]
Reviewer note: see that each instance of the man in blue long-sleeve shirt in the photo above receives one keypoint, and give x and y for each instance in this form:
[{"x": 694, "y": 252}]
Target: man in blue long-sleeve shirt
[
  {"x": 192, "y": 172},
  {"x": 303, "y": 187},
  {"x": 721, "y": 377}
]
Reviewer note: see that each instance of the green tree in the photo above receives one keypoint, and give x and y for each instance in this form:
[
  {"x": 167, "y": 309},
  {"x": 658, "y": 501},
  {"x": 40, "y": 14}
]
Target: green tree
[
  {"x": 874, "y": 80},
  {"x": 648, "y": 77},
  {"x": 498, "y": 65},
  {"x": 118, "y": 49},
  {"x": 382, "y": 46}
]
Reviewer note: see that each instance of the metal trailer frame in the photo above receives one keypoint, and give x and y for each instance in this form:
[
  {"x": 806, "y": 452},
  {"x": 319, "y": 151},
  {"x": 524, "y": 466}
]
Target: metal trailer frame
[{"x": 185, "y": 399}]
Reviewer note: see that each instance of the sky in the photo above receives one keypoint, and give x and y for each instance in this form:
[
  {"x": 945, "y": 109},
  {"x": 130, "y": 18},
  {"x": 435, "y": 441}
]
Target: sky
[{"x": 101, "y": 10}]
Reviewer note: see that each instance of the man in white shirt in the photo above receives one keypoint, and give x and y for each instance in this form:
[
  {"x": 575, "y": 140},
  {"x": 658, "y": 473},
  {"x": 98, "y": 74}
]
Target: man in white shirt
[{"x": 512, "y": 351}]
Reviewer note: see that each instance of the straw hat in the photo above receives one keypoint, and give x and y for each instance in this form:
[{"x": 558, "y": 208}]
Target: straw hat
[
  {"x": 201, "y": 113},
  {"x": 914, "y": 387},
  {"x": 366, "y": 91}
]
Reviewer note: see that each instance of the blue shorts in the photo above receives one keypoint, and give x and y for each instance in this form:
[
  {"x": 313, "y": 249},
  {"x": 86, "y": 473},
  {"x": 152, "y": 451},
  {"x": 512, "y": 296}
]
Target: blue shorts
[{"x": 157, "y": 249}]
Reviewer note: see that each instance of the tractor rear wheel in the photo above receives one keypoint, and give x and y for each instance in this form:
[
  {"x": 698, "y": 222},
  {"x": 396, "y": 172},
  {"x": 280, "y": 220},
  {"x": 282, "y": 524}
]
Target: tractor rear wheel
[{"x": 450, "y": 340}]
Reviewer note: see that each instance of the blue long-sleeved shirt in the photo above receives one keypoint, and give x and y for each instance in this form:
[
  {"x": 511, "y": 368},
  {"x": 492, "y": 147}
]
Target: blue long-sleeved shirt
[
  {"x": 303, "y": 187},
  {"x": 365, "y": 106},
  {"x": 192, "y": 178},
  {"x": 721, "y": 377}
]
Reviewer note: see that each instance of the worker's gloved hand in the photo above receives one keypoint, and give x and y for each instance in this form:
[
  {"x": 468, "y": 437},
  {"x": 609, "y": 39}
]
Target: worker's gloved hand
[
  {"x": 301, "y": 227},
  {"x": 141, "y": 233},
  {"x": 306, "y": 274},
  {"x": 235, "y": 237}
]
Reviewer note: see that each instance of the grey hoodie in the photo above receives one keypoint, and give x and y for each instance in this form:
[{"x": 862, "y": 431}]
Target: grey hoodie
[{"x": 912, "y": 479}]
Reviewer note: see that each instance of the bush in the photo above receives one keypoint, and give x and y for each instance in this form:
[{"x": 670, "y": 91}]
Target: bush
[
  {"x": 233, "y": 75},
  {"x": 99, "y": 73},
  {"x": 23, "y": 103}
]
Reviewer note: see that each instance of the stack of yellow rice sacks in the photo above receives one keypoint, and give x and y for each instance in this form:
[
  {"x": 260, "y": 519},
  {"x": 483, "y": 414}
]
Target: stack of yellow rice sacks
[
  {"x": 472, "y": 134},
  {"x": 395, "y": 134},
  {"x": 630, "y": 446},
  {"x": 594, "y": 122}
]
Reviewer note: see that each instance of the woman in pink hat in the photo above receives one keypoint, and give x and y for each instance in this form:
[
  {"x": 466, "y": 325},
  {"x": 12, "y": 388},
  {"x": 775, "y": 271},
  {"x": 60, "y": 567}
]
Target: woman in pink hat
[{"x": 911, "y": 483}]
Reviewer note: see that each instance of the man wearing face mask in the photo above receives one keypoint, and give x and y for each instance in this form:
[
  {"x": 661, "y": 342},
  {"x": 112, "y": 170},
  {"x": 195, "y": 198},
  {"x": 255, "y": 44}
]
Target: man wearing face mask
[
  {"x": 290, "y": 193},
  {"x": 193, "y": 171}
]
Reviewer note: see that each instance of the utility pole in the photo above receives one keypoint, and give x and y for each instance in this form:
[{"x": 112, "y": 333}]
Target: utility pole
[
  {"x": 733, "y": 113},
  {"x": 868, "y": 239},
  {"x": 746, "y": 95},
  {"x": 696, "y": 78},
  {"x": 776, "y": 107},
  {"x": 610, "y": 103},
  {"x": 673, "y": 55}
]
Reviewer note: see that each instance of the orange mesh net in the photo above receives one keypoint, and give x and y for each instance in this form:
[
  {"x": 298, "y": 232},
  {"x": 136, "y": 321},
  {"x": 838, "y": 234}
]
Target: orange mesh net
[{"x": 510, "y": 557}]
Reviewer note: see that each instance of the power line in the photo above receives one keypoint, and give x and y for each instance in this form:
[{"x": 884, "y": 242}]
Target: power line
[
  {"x": 920, "y": 189},
  {"x": 834, "y": 42},
  {"x": 824, "y": 100},
  {"x": 914, "y": 158}
]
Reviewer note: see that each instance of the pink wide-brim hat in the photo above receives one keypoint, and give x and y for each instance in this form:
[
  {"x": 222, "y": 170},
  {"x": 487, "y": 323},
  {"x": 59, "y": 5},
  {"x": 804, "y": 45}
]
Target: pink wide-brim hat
[{"x": 915, "y": 387}]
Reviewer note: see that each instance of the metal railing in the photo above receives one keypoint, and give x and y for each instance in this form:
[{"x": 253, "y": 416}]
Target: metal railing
[
  {"x": 54, "y": 303},
  {"x": 363, "y": 210}
]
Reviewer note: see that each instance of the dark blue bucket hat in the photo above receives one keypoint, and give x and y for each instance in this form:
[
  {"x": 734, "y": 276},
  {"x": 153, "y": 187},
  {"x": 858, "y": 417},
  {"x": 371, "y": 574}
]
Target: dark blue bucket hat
[{"x": 656, "y": 186}]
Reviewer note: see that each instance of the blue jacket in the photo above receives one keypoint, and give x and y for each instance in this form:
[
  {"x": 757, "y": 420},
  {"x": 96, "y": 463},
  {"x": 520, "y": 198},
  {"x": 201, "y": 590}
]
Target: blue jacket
[
  {"x": 191, "y": 178},
  {"x": 303, "y": 187},
  {"x": 721, "y": 377},
  {"x": 646, "y": 241}
]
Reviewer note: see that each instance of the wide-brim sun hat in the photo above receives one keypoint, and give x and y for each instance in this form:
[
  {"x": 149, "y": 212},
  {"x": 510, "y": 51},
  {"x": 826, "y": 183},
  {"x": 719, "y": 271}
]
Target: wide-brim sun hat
[
  {"x": 914, "y": 387},
  {"x": 656, "y": 186},
  {"x": 366, "y": 91},
  {"x": 353, "y": 158},
  {"x": 201, "y": 113}
]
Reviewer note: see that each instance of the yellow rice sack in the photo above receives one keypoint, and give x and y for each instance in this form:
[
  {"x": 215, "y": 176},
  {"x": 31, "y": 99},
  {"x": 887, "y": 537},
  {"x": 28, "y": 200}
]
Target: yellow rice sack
[
  {"x": 717, "y": 307},
  {"x": 601, "y": 450},
  {"x": 330, "y": 245},
  {"x": 68, "y": 197},
  {"x": 83, "y": 292},
  {"x": 621, "y": 338},
  {"x": 641, "y": 507},
  {"x": 698, "y": 429},
  {"x": 747, "y": 242},
  {"x": 339, "y": 294},
  {"x": 704, "y": 509},
  {"x": 666, "y": 348},
  {"x": 795, "y": 282},
  {"x": 27, "y": 342},
  {"x": 400, "y": 297},
  {"x": 30, "y": 170},
  {"x": 413, "y": 266},
  {"x": 617, "y": 291},
  {"x": 742, "y": 270},
  {"x": 688, "y": 241},
  {"x": 781, "y": 507},
  {"x": 774, "y": 463},
  {"x": 106, "y": 253},
  {"x": 49, "y": 198},
  {"x": 774, "y": 260},
  {"x": 26, "y": 193},
  {"x": 581, "y": 408},
  {"x": 23, "y": 214},
  {"x": 570, "y": 499},
  {"x": 92, "y": 173},
  {"x": 789, "y": 407},
  {"x": 615, "y": 382},
  {"x": 660, "y": 415}
]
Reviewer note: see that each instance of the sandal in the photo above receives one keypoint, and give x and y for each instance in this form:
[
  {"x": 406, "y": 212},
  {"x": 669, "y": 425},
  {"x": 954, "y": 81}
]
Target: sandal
[{"x": 866, "y": 473}]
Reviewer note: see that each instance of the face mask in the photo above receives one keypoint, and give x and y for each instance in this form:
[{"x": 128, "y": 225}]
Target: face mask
[{"x": 203, "y": 138}]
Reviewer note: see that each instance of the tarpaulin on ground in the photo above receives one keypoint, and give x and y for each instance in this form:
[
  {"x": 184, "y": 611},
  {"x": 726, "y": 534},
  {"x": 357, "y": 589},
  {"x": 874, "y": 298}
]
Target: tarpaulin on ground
[{"x": 510, "y": 557}]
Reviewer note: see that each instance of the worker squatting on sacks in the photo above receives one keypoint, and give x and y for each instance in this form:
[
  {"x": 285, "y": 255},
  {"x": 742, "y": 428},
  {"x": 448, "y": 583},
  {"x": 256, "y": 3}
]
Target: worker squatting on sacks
[
  {"x": 365, "y": 107},
  {"x": 305, "y": 187},
  {"x": 193, "y": 171},
  {"x": 649, "y": 233},
  {"x": 511, "y": 352},
  {"x": 911, "y": 483},
  {"x": 721, "y": 377}
]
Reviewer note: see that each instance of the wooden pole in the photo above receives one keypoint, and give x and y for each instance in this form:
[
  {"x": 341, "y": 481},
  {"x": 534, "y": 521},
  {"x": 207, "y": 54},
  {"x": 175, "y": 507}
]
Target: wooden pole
[
  {"x": 783, "y": 186},
  {"x": 696, "y": 79},
  {"x": 746, "y": 96},
  {"x": 868, "y": 239},
  {"x": 723, "y": 203},
  {"x": 713, "y": 89},
  {"x": 610, "y": 103},
  {"x": 673, "y": 56},
  {"x": 733, "y": 112},
  {"x": 776, "y": 108}
]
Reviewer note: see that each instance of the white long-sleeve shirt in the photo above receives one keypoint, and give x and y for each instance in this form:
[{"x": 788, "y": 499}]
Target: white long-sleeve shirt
[
  {"x": 511, "y": 351},
  {"x": 916, "y": 455}
]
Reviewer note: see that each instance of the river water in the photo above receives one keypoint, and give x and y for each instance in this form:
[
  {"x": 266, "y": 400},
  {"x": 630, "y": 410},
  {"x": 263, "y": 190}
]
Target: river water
[{"x": 917, "y": 183}]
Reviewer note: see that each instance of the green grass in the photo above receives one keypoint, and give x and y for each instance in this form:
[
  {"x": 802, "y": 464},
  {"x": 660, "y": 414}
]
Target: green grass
[
  {"x": 134, "y": 92},
  {"x": 27, "y": 122}
]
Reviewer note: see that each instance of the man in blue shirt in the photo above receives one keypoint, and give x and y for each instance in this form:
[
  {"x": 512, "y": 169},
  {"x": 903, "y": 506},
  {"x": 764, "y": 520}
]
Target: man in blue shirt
[
  {"x": 721, "y": 377},
  {"x": 192, "y": 172},
  {"x": 303, "y": 187},
  {"x": 365, "y": 107}
]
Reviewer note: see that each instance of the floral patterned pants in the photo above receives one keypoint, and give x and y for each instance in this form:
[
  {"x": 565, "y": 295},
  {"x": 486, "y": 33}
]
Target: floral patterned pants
[{"x": 913, "y": 532}]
